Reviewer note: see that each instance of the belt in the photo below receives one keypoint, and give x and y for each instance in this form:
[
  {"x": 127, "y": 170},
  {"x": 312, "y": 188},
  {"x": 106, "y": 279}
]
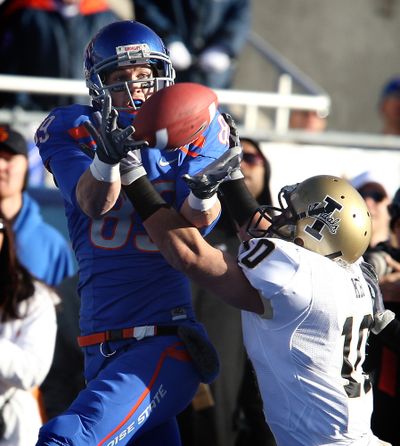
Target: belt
[{"x": 137, "y": 333}]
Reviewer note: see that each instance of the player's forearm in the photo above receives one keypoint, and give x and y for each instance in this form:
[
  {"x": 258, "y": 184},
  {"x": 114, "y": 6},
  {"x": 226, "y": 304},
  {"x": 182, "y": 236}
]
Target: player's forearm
[
  {"x": 240, "y": 202},
  {"x": 198, "y": 218},
  {"x": 96, "y": 197},
  {"x": 186, "y": 250}
]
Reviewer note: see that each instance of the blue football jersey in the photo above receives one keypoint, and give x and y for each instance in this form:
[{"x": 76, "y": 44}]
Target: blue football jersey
[{"x": 123, "y": 279}]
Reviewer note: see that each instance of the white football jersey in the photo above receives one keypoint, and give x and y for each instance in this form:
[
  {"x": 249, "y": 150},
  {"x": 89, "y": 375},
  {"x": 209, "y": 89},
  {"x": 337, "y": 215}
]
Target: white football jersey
[{"x": 308, "y": 356}]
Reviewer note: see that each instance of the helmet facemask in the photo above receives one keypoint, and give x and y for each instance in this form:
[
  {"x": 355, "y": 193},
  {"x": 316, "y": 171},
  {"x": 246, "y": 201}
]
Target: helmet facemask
[
  {"x": 122, "y": 45},
  {"x": 282, "y": 219},
  {"x": 163, "y": 75}
]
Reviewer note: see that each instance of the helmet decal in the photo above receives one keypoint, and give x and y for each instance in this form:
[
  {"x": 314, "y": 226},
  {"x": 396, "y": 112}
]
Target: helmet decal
[
  {"x": 322, "y": 212},
  {"x": 127, "y": 53}
]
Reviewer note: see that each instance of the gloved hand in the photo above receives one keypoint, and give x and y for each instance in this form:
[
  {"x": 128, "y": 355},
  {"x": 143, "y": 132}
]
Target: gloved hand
[
  {"x": 131, "y": 167},
  {"x": 205, "y": 183},
  {"x": 214, "y": 59},
  {"x": 234, "y": 141},
  {"x": 180, "y": 56},
  {"x": 113, "y": 143},
  {"x": 382, "y": 317}
]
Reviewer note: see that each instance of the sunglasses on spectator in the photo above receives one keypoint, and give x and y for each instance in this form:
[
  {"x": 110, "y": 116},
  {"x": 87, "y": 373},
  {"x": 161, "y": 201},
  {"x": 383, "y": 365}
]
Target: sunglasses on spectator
[
  {"x": 376, "y": 195},
  {"x": 253, "y": 158}
]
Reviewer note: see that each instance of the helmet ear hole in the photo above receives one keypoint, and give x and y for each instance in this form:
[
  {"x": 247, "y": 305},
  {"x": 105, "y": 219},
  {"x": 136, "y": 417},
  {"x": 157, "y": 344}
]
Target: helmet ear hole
[{"x": 299, "y": 241}]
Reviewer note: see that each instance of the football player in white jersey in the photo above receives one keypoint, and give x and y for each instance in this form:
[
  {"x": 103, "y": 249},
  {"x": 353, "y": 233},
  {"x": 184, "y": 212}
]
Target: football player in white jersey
[{"x": 308, "y": 301}]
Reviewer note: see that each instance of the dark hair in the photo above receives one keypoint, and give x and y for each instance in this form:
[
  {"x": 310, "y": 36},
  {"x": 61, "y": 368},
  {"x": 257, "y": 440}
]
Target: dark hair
[
  {"x": 394, "y": 209},
  {"x": 16, "y": 283},
  {"x": 265, "y": 196}
]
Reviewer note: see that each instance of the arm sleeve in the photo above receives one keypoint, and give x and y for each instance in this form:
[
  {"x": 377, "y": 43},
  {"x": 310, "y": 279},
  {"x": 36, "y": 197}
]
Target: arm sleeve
[{"x": 239, "y": 201}]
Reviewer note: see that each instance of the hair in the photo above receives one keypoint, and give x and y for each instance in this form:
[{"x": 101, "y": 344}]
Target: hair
[
  {"x": 265, "y": 196},
  {"x": 16, "y": 283}
]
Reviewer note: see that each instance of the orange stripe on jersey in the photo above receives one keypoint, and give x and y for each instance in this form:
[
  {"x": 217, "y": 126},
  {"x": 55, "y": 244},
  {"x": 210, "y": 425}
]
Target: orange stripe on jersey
[
  {"x": 199, "y": 142},
  {"x": 81, "y": 133},
  {"x": 171, "y": 351}
]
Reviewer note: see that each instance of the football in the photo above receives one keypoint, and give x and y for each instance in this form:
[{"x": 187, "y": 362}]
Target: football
[{"x": 175, "y": 115}]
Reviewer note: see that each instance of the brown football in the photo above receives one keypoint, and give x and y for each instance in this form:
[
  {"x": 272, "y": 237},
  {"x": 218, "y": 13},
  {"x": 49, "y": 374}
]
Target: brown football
[{"x": 175, "y": 115}]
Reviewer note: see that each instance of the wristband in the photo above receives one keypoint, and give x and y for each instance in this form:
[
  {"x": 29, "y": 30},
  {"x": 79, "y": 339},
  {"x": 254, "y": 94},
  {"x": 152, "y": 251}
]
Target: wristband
[
  {"x": 103, "y": 171},
  {"x": 201, "y": 204}
]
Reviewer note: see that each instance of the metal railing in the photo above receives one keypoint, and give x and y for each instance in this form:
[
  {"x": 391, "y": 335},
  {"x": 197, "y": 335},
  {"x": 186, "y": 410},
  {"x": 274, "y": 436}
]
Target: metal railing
[{"x": 251, "y": 101}]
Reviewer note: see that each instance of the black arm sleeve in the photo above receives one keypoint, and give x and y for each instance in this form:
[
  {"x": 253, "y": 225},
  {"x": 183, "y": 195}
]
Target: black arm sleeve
[
  {"x": 144, "y": 198},
  {"x": 239, "y": 200}
]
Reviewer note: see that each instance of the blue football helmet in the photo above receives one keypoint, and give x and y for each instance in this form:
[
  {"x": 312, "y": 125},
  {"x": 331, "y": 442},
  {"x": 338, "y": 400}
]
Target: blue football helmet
[{"x": 123, "y": 44}]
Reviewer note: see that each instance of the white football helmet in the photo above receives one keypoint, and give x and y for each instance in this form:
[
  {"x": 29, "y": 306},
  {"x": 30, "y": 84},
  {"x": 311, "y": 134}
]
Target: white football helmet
[{"x": 324, "y": 214}]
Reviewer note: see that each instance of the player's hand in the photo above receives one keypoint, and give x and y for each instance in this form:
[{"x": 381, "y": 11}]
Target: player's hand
[
  {"x": 205, "y": 183},
  {"x": 113, "y": 143},
  {"x": 131, "y": 167},
  {"x": 234, "y": 141}
]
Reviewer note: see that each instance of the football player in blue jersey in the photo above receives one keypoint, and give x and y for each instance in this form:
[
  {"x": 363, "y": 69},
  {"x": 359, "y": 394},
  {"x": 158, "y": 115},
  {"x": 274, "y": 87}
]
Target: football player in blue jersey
[{"x": 145, "y": 354}]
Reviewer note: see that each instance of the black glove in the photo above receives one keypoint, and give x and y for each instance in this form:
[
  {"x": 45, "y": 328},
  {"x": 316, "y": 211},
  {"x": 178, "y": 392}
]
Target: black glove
[
  {"x": 205, "y": 183},
  {"x": 113, "y": 143},
  {"x": 227, "y": 167}
]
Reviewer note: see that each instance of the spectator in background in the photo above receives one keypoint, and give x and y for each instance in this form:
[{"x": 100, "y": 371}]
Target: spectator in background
[
  {"x": 383, "y": 363},
  {"x": 204, "y": 37},
  {"x": 389, "y": 107},
  {"x": 67, "y": 366},
  {"x": 47, "y": 38},
  {"x": 27, "y": 336},
  {"x": 370, "y": 185},
  {"x": 307, "y": 120},
  {"x": 40, "y": 247}
]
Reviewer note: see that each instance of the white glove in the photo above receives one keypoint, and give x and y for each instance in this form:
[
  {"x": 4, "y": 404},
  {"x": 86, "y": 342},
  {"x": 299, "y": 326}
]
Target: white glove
[
  {"x": 180, "y": 56},
  {"x": 131, "y": 168},
  {"x": 214, "y": 59}
]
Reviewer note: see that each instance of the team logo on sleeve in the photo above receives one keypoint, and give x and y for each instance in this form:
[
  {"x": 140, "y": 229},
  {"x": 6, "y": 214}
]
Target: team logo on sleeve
[{"x": 323, "y": 214}]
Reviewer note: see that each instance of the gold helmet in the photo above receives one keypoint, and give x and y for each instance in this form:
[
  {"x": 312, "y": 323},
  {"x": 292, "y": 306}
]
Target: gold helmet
[{"x": 324, "y": 214}]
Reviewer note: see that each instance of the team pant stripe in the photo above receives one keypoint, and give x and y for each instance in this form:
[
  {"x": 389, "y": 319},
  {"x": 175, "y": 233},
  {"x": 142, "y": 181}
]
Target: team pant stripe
[{"x": 171, "y": 351}]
